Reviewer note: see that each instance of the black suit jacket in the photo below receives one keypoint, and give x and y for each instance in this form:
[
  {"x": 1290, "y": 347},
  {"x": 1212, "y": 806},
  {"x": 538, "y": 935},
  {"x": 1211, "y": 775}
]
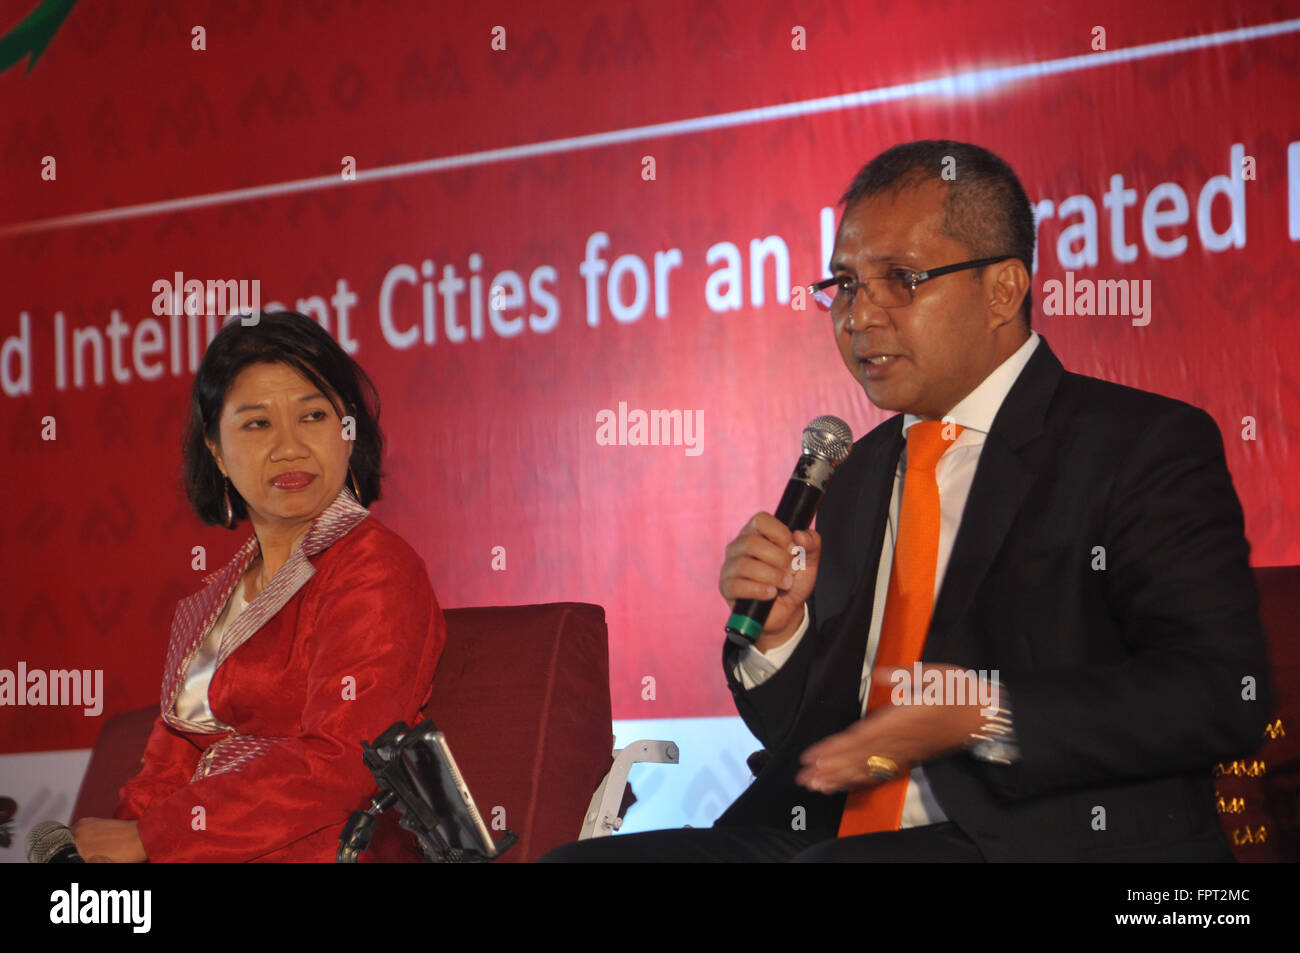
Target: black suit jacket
[{"x": 1126, "y": 683}]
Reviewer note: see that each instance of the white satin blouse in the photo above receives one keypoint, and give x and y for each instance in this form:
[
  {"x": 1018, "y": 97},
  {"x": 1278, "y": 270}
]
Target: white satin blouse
[{"x": 192, "y": 702}]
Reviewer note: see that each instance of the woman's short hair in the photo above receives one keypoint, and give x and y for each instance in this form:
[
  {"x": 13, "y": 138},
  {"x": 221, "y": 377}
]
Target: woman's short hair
[{"x": 282, "y": 337}]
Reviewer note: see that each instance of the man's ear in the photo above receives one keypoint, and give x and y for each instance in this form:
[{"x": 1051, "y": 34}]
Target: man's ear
[{"x": 1006, "y": 285}]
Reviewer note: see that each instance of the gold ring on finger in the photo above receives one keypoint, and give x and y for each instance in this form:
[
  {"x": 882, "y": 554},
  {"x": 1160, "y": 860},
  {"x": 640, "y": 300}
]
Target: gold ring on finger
[{"x": 881, "y": 768}]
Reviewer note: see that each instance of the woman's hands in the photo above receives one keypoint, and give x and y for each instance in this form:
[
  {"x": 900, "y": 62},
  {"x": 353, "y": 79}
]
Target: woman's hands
[{"x": 101, "y": 840}]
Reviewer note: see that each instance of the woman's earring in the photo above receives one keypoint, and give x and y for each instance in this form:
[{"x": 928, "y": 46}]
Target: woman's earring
[
  {"x": 230, "y": 514},
  {"x": 355, "y": 491}
]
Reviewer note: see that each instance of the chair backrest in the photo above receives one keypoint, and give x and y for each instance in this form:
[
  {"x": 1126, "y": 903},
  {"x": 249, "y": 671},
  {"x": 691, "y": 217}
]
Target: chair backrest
[
  {"x": 1259, "y": 796},
  {"x": 116, "y": 758},
  {"x": 522, "y": 694}
]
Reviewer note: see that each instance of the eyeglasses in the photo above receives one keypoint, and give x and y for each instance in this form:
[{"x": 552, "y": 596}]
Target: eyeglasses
[{"x": 894, "y": 290}]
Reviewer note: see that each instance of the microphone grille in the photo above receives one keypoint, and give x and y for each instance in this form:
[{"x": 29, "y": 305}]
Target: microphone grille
[
  {"x": 45, "y": 839},
  {"x": 829, "y": 438}
]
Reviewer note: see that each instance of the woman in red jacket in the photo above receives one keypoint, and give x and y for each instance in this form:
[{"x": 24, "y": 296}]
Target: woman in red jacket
[{"x": 322, "y": 630}]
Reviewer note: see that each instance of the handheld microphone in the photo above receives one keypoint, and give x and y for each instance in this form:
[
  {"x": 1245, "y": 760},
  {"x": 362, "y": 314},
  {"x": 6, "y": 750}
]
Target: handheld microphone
[
  {"x": 50, "y": 842},
  {"x": 826, "y": 444}
]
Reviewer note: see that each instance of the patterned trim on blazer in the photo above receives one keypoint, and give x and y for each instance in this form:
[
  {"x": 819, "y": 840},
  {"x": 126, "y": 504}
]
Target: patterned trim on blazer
[{"x": 196, "y": 614}]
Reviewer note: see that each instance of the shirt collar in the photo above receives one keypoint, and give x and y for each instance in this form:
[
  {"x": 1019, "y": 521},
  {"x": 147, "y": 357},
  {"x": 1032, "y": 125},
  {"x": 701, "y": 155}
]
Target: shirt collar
[
  {"x": 977, "y": 409},
  {"x": 334, "y": 522}
]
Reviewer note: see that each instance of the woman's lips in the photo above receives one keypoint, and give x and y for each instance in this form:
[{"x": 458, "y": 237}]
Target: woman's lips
[{"x": 296, "y": 480}]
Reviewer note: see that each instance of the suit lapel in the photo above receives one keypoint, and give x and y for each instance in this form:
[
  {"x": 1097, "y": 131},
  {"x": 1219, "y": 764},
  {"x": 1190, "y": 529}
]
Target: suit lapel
[
  {"x": 334, "y": 523},
  {"x": 194, "y": 618},
  {"x": 196, "y": 614},
  {"x": 1002, "y": 481},
  {"x": 852, "y": 598},
  {"x": 872, "y": 507}
]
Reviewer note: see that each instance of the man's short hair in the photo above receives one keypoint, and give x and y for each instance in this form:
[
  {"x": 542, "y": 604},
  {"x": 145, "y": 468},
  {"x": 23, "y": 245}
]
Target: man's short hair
[{"x": 987, "y": 209}]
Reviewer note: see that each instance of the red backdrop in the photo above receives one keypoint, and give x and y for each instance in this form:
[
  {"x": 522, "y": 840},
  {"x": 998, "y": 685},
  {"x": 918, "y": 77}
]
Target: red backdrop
[{"x": 493, "y": 440}]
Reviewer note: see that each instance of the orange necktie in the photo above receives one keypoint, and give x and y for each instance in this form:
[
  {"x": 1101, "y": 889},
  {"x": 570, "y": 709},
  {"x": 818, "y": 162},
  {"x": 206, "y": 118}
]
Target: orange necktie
[{"x": 908, "y": 606}]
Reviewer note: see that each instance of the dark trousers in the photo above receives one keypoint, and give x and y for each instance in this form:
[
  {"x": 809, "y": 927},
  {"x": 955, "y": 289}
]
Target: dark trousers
[{"x": 934, "y": 842}]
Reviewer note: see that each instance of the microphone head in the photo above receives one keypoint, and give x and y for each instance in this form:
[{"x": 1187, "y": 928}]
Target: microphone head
[
  {"x": 829, "y": 438},
  {"x": 46, "y": 839}
]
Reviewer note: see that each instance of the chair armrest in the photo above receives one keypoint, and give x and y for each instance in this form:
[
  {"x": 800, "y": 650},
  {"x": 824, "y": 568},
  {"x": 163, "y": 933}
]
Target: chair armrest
[{"x": 602, "y": 813}]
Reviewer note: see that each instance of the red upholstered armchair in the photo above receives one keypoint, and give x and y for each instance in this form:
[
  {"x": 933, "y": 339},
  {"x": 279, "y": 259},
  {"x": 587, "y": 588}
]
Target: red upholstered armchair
[{"x": 522, "y": 694}]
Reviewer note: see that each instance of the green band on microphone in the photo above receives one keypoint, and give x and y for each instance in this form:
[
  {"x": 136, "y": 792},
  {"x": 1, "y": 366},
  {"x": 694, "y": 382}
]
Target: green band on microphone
[{"x": 745, "y": 626}]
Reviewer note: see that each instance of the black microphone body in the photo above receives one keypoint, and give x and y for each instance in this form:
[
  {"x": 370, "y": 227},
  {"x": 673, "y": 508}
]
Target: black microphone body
[
  {"x": 827, "y": 441},
  {"x": 66, "y": 855}
]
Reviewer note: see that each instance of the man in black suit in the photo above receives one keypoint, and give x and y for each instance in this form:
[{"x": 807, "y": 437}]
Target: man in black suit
[{"x": 1086, "y": 561}]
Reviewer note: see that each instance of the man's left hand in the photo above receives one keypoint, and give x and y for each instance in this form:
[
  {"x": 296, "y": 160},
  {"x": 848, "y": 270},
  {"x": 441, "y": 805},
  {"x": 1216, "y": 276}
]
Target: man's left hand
[{"x": 907, "y": 734}]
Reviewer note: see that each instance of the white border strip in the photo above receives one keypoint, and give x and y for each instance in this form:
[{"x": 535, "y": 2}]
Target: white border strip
[{"x": 962, "y": 84}]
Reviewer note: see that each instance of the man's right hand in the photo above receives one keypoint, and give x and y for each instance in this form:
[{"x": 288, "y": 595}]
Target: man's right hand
[{"x": 760, "y": 564}]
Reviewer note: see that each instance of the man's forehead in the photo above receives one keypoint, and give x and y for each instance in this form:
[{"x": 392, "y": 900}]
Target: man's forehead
[
  {"x": 843, "y": 259},
  {"x": 875, "y": 245},
  {"x": 896, "y": 210},
  {"x": 887, "y": 227}
]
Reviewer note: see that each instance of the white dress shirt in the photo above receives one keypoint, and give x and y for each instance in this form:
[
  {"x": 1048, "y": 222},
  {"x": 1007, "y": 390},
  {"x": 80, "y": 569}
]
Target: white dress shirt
[{"x": 954, "y": 473}]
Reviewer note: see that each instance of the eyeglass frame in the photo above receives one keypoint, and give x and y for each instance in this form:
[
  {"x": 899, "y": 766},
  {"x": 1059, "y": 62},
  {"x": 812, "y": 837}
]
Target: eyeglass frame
[{"x": 912, "y": 279}]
